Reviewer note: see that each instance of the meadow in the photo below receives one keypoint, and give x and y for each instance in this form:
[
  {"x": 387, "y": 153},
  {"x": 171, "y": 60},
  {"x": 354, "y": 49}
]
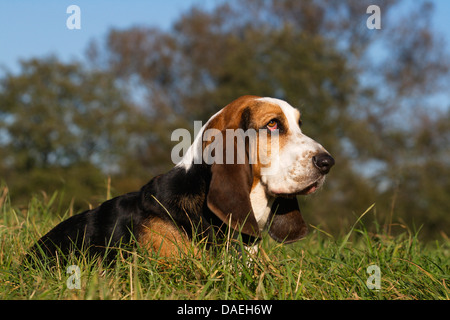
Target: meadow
[{"x": 319, "y": 267}]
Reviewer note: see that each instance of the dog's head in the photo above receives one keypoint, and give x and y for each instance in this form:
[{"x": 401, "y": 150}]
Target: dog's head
[{"x": 259, "y": 160}]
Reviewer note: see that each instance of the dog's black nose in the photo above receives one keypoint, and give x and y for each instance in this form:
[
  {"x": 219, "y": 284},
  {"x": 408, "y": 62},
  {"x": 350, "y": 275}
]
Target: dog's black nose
[{"x": 323, "y": 162}]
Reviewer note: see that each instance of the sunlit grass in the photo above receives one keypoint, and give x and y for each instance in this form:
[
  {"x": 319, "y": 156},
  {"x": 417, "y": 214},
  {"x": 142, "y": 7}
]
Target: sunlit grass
[{"x": 318, "y": 267}]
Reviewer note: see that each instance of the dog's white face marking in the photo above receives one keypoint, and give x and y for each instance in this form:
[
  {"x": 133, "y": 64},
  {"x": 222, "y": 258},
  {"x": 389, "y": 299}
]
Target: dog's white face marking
[{"x": 294, "y": 171}]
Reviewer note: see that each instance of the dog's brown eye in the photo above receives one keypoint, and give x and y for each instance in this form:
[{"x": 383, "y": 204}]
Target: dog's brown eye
[{"x": 272, "y": 124}]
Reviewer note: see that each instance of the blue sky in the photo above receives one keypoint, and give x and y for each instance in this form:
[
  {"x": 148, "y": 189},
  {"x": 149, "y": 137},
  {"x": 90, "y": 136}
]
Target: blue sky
[
  {"x": 32, "y": 28},
  {"x": 37, "y": 28}
]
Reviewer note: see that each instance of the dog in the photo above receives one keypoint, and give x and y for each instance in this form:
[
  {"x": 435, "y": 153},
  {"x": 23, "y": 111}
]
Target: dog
[{"x": 201, "y": 200}]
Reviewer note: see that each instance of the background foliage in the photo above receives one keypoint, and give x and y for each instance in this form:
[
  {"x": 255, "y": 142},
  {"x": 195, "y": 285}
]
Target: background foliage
[{"x": 371, "y": 97}]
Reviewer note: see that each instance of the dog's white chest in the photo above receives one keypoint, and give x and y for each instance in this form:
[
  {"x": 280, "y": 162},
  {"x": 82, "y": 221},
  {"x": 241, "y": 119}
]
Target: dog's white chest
[{"x": 261, "y": 205}]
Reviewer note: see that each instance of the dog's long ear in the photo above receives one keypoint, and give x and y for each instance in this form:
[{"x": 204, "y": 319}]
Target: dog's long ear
[
  {"x": 286, "y": 221},
  {"x": 229, "y": 194}
]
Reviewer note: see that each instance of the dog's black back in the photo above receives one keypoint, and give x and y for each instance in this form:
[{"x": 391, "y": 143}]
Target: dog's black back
[{"x": 177, "y": 197}]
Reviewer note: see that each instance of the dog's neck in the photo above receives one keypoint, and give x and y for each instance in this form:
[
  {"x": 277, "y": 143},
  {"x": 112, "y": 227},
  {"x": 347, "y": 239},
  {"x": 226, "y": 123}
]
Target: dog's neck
[{"x": 261, "y": 204}]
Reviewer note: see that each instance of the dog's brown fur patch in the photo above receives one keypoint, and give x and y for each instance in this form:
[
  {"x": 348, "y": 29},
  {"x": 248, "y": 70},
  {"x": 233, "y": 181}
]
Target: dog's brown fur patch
[{"x": 164, "y": 238}]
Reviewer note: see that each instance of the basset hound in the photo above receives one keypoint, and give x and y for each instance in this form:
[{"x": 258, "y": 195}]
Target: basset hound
[{"x": 197, "y": 200}]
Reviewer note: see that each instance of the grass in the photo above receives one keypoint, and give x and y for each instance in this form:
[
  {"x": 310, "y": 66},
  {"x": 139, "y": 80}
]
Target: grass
[{"x": 319, "y": 267}]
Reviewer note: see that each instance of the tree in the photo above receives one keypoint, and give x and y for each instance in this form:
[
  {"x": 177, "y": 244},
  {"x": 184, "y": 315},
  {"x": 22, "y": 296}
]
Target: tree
[{"x": 62, "y": 126}]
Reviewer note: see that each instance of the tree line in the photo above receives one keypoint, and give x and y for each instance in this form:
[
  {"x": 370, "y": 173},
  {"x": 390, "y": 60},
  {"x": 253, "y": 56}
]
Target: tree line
[{"x": 370, "y": 96}]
